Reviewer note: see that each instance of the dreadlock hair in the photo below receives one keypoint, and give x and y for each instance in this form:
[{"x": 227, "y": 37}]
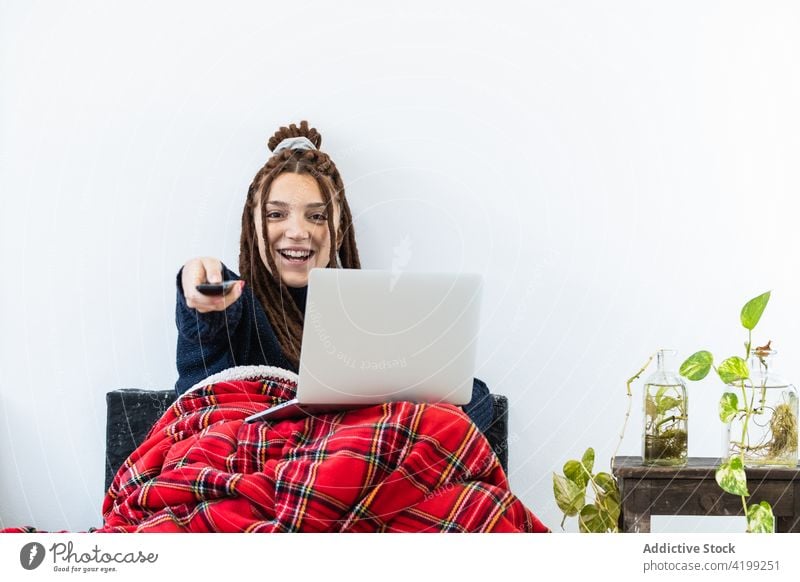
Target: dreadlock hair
[{"x": 283, "y": 314}]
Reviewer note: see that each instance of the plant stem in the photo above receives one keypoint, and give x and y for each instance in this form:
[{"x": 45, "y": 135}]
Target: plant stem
[
  {"x": 748, "y": 410},
  {"x": 672, "y": 418},
  {"x": 591, "y": 479},
  {"x": 630, "y": 401}
]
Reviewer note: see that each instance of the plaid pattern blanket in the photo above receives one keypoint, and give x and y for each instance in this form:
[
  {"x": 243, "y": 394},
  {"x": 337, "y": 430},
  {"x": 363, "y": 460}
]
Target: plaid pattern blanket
[{"x": 388, "y": 468}]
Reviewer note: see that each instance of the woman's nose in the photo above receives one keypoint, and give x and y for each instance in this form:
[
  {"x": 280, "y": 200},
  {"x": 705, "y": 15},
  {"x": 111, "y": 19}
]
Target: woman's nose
[{"x": 296, "y": 230}]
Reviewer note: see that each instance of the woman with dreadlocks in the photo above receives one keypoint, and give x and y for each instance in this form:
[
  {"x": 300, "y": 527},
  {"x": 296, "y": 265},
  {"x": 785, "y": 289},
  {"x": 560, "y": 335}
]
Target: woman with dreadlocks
[{"x": 296, "y": 217}]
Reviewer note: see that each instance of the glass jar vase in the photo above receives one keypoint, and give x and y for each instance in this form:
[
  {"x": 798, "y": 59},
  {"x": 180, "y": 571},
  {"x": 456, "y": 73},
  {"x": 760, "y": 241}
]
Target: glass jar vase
[
  {"x": 769, "y": 436},
  {"x": 666, "y": 415}
]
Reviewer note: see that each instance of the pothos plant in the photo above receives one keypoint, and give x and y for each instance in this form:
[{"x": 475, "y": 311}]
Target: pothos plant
[
  {"x": 600, "y": 512},
  {"x": 599, "y": 515},
  {"x": 734, "y": 372}
]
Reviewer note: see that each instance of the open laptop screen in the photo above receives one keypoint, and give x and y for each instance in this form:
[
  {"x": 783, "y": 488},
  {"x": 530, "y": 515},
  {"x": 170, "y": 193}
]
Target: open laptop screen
[{"x": 372, "y": 336}]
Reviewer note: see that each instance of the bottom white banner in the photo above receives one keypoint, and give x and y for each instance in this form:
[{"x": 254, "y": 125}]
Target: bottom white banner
[{"x": 400, "y": 556}]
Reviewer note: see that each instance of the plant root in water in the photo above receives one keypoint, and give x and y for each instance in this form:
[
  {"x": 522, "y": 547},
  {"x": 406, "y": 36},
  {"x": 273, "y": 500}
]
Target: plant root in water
[
  {"x": 783, "y": 425},
  {"x": 670, "y": 445}
]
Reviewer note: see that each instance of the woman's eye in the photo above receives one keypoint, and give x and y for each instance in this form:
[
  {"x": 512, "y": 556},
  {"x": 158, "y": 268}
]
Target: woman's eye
[
  {"x": 319, "y": 217},
  {"x": 273, "y": 214}
]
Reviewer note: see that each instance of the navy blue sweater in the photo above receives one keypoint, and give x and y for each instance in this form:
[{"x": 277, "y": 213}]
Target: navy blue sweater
[{"x": 242, "y": 336}]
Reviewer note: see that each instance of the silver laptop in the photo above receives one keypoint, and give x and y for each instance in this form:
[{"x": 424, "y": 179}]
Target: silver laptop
[{"x": 376, "y": 336}]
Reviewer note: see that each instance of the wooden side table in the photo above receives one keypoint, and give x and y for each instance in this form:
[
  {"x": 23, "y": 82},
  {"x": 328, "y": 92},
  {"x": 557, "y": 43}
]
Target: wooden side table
[{"x": 692, "y": 490}]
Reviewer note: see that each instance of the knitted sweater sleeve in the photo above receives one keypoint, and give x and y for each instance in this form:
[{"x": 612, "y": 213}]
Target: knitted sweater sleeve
[
  {"x": 207, "y": 328},
  {"x": 481, "y": 408},
  {"x": 206, "y": 341}
]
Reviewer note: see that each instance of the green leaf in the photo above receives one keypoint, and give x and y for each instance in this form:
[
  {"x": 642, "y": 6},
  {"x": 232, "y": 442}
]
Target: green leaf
[
  {"x": 752, "y": 310},
  {"x": 610, "y": 504},
  {"x": 650, "y": 407},
  {"x": 760, "y": 518},
  {"x": 569, "y": 497},
  {"x": 668, "y": 403},
  {"x": 589, "y": 520},
  {"x": 594, "y": 520},
  {"x": 728, "y": 406},
  {"x": 575, "y": 473},
  {"x": 588, "y": 459},
  {"x": 604, "y": 515},
  {"x": 733, "y": 369},
  {"x": 697, "y": 365},
  {"x": 731, "y": 476},
  {"x": 607, "y": 483}
]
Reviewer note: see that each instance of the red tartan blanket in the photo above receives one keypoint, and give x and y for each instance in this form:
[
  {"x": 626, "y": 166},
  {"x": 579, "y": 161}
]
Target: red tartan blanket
[{"x": 393, "y": 467}]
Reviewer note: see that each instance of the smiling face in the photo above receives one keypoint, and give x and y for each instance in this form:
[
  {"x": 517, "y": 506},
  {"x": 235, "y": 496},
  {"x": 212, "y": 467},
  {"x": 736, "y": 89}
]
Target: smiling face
[{"x": 297, "y": 225}]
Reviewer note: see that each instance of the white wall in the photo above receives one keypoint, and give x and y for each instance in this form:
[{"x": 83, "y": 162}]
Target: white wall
[{"x": 625, "y": 174}]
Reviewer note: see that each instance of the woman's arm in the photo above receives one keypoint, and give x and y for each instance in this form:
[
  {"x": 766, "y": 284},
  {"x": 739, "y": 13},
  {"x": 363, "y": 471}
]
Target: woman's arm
[
  {"x": 206, "y": 339},
  {"x": 196, "y": 325}
]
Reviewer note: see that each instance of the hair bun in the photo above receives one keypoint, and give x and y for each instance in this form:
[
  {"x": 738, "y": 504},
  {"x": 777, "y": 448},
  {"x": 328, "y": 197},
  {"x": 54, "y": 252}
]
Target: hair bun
[{"x": 304, "y": 130}]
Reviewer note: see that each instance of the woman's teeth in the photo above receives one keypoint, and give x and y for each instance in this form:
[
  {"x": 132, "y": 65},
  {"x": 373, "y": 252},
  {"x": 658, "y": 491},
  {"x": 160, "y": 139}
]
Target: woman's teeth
[{"x": 296, "y": 256}]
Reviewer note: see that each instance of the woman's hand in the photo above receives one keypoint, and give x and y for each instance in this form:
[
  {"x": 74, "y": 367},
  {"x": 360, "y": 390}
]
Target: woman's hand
[{"x": 206, "y": 270}]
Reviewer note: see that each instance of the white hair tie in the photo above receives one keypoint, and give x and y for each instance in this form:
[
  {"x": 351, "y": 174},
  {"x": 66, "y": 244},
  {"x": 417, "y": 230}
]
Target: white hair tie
[{"x": 294, "y": 143}]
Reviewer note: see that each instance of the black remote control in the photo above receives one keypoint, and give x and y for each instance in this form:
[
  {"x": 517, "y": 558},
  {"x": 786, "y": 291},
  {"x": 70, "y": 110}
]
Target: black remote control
[{"x": 216, "y": 288}]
